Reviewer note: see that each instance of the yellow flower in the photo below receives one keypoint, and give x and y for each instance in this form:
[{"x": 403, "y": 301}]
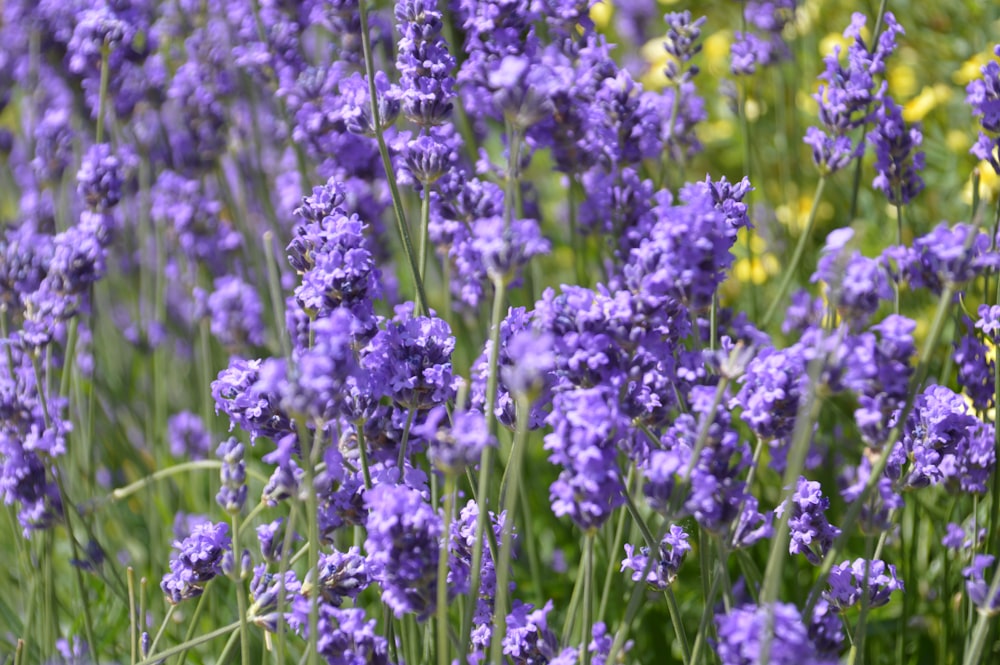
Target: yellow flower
[
  {"x": 970, "y": 69},
  {"x": 600, "y": 14},
  {"x": 929, "y": 98},
  {"x": 989, "y": 185}
]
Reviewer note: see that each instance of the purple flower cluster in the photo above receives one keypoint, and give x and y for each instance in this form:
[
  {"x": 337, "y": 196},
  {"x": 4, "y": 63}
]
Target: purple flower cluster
[
  {"x": 744, "y": 632},
  {"x": 329, "y": 250},
  {"x": 198, "y": 561},
  {"x": 586, "y": 428},
  {"x": 661, "y": 572},
  {"x": 947, "y": 255},
  {"x": 233, "y": 493},
  {"x": 897, "y": 158},
  {"x": 424, "y": 64},
  {"x": 943, "y": 443},
  {"x": 811, "y": 533},
  {"x": 983, "y": 95},
  {"x": 848, "y": 94},
  {"x": 764, "y": 45},
  {"x": 857, "y": 284},
  {"x": 850, "y": 581},
  {"x": 402, "y": 546},
  {"x": 977, "y": 584}
]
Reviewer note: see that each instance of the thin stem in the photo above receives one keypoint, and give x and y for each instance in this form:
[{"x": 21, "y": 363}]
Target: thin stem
[
  {"x": 241, "y": 594},
  {"x": 102, "y": 99},
  {"x": 510, "y": 495},
  {"x": 359, "y": 428},
  {"x": 443, "y": 657},
  {"x": 309, "y": 454},
  {"x": 899, "y": 241},
  {"x": 184, "y": 467},
  {"x": 425, "y": 221},
  {"x": 485, "y": 461},
  {"x": 133, "y": 635},
  {"x": 800, "y": 248},
  {"x": 187, "y": 644},
  {"x": 403, "y": 444},
  {"x": 986, "y": 617},
  {"x": 588, "y": 595},
  {"x": 390, "y": 174},
  {"x": 806, "y": 415},
  {"x": 277, "y": 303}
]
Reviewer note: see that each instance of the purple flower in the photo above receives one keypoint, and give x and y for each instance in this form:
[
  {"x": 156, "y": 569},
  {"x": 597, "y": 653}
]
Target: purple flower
[
  {"x": 505, "y": 247},
  {"x": 254, "y": 406},
  {"x": 849, "y": 581},
  {"x": 751, "y": 50},
  {"x": 344, "y": 636},
  {"x": 341, "y": 575},
  {"x": 946, "y": 255},
  {"x": 402, "y": 546},
  {"x": 198, "y": 561},
  {"x": 811, "y": 533},
  {"x": 943, "y": 443},
  {"x": 331, "y": 253},
  {"x": 529, "y": 639},
  {"x": 462, "y": 540},
  {"x": 586, "y": 427},
  {"x": 686, "y": 253},
  {"x": 743, "y": 633},
  {"x": 410, "y": 360},
  {"x": 974, "y": 368},
  {"x": 983, "y": 95},
  {"x": 848, "y": 93},
  {"x": 977, "y": 585},
  {"x": 101, "y": 177},
  {"x": 458, "y": 447},
  {"x": 989, "y": 322},
  {"x": 877, "y": 510},
  {"x": 662, "y": 572},
  {"x": 327, "y": 380},
  {"x": 236, "y": 313},
  {"x": 233, "y": 493},
  {"x": 187, "y": 436},
  {"x": 857, "y": 284},
  {"x": 773, "y": 383},
  {"x": 424, "y": 64},
  {"x": 682, "y": 43},
  {"x": 897, "y": 158},
  {"x": 54, "y": 138},
  {"x": 429, "y": 157},
  {"x": 194, "y": 218}
]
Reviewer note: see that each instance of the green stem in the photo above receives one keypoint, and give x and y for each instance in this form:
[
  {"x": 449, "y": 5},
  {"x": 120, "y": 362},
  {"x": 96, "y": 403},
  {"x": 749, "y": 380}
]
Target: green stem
[
  {"x": 277, "y": 302},
  {"x": 184, "y": 467},
  {"x": 403, "y": 444},
  {"x": 510, "y": 495},
  {"x": 187, "y": 644},
  {"x": 485, "y": 461},
  {"x": 800, "y": 248},
  {"x": 899, "y": 241},
  {"x": 425, "y": 220},
  {"x": 189, "y": 639},
  {"x": 309, "y": 455},
  {"x": 133, "y": 634},
  {"x": 443, "y": 657},
  {"x": 102, "y": 99},
  {"x": 390, "y": 174},
  {"x": 241, "y": 594},
  {"x": 359, "y": 427},
  {"x": 807, "y": 414},
  {"x": 588, "y": 595},
  {"x": 983, "y": 623}
]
